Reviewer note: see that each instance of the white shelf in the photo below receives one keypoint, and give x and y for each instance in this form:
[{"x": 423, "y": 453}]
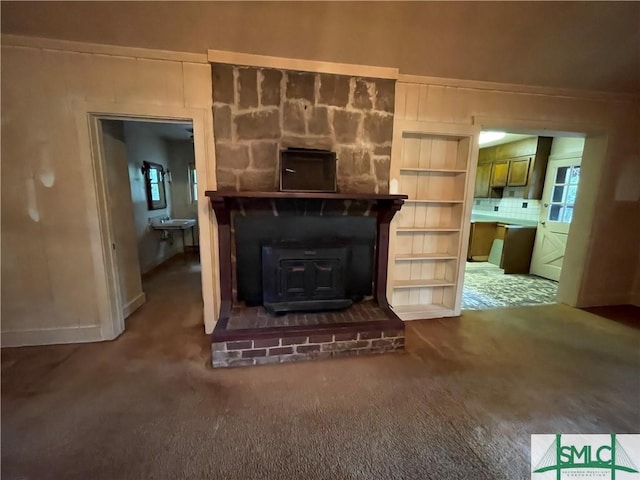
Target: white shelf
[
  {"x": 416, "y": 200},
  {"x": 415, "y": 312},
  {"x": 427, "y": 229},
  {"x": 432, "y": 282},
  {"x": 433, "y": 163},
  {"x": 402, "y": 257},
  {"x": 431, "y": 170}
]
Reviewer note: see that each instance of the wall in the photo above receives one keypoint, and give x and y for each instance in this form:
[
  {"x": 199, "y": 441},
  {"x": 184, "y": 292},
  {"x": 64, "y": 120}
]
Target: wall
[
  {"x": 606, "y": 265},
  {"x": 180, "y": 157},
  {"x": 258, "y": 112},
  {"x": 51, "y": 252},
  {"x": 144, "y": 144},
  {"x": 122, "y": 214},
  {"x": 49, "y": 223}
]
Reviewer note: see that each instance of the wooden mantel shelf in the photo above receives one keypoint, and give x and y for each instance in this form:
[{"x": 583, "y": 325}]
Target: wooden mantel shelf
[
  {"x": 373, "y": 197},
  {"x": 222, "y": 203}
]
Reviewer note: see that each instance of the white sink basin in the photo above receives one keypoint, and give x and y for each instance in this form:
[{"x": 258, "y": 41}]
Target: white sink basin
[{"x": 174, "y": 224}]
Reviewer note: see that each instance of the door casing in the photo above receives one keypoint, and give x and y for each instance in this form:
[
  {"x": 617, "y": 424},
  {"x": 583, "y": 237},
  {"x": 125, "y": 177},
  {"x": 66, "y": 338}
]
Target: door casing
[{"x": 88, "y": 117}]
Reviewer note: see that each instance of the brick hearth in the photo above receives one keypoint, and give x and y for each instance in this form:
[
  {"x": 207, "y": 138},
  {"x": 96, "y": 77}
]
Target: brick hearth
[{"x": 250, "y": 336}]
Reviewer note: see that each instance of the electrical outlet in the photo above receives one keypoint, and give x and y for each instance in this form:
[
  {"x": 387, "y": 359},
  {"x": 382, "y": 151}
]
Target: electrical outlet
[
  {"x": 525, "y": 204},
  {"x": 495, "y": 209}
]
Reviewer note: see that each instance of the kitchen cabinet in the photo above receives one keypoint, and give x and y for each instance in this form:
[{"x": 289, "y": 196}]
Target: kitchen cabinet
[
  {"x": 517, "y": 244},
  {"x": 517, "y": 248},
  {"x": 483, "y": 181},
  {"x": 499, "y": 173},
  {"x": 516, "y": 164},
  {"x": 518, "y": 172},
  {"x": 481, "y": 238}
]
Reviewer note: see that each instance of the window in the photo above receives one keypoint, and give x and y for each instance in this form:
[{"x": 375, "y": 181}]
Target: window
[
  {"x": 193, "y": 183},
  {"x": 564, "y": 193}
]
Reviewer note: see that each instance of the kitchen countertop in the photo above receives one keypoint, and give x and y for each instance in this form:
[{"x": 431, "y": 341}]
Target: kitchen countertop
[{"x": 481, "y": 217}]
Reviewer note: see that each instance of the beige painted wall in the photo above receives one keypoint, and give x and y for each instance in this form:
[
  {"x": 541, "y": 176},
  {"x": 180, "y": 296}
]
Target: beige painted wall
[
  {"x": 180, "y": 156},
  {"x": 49, "y": 226},
  {"x": 610, "y": 268},
  {"x": 562, "y": 145},
  {"x": 49, "y": 223}
]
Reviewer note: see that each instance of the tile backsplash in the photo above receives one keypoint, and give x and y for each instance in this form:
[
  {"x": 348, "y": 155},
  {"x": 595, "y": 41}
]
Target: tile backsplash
[{"x": 509, "y": 206}]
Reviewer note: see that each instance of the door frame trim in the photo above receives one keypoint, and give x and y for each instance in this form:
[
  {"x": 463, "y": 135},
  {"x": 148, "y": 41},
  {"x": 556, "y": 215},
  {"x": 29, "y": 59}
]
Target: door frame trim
[
  {"x": 88, "y": 117},
  {"x": 579, "y": 240}
]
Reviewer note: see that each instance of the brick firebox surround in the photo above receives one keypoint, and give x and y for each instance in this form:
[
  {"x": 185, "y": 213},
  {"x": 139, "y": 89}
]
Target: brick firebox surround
[
  {"x": 248, "y": 336},
  {"x": 258, "y": 111}
]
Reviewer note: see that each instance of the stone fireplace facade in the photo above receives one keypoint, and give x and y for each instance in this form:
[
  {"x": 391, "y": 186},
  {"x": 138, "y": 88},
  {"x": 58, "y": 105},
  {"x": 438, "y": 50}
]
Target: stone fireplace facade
[{"x": 259, "y": 111}]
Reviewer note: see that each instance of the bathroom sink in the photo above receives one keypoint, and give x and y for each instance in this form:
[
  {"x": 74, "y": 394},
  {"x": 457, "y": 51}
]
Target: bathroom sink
[{"x": 174, "y": 224}]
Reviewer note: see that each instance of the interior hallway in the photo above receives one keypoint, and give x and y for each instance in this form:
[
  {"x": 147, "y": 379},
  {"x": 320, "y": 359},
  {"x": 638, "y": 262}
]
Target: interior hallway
[{"x": 460, "y": 404}]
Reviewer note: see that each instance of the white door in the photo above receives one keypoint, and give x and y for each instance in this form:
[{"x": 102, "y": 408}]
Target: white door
[
  {"x": 122, "y": 218},
  {"x": 558, "y": 199}
]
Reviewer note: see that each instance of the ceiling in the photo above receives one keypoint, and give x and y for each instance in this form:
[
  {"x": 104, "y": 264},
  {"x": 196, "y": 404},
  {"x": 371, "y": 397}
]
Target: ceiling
[
  {"x": 170, "y": 131},
  {"x": 578, "y": 45},
  {"x": 508, "y": 138}
]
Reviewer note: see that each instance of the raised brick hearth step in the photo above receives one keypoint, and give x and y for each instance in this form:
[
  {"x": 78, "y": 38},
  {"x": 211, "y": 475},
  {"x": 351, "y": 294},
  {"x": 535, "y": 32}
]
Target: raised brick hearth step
[{"x": 263, "y": 343}]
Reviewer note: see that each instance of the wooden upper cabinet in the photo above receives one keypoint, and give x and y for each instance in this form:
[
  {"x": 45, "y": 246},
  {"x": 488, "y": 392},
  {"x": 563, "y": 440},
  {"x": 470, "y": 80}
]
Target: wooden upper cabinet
[
  {"x": 483, "y": 181},
  {"x": 516, "y": 164},
  {"x": 518, "y": 172},
  {"x": 499, "y": 173},
  {"x": 521, "y": 148},
  {"x": 486, "y": 155}
]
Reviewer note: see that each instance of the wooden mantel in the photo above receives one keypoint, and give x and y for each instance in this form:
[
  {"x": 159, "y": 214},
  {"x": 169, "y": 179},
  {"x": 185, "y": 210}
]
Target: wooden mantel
[
  {"x": 222, "y": 203},
  {"x": 372, "y": 197}
]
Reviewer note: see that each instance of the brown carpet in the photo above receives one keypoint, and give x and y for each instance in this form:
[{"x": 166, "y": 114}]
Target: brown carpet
[{"x": 461, "y": 404}]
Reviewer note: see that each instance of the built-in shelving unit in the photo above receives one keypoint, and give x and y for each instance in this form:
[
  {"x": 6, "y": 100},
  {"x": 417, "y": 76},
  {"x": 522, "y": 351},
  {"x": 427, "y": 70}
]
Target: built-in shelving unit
[{"x": 431, "y": 164}]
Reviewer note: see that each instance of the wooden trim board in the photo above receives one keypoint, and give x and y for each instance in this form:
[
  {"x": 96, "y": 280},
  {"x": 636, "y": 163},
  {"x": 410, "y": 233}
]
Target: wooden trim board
[
  {"x": 52, "y": 336},
  {"x": 298, "y": 64},
  {"x": 101, "y": 49}
]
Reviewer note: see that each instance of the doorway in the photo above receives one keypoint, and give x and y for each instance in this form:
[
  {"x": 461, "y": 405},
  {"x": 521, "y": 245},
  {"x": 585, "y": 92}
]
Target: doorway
[
  {"x": 525, "y": 190},
  {"x": 152, "y": 202}
]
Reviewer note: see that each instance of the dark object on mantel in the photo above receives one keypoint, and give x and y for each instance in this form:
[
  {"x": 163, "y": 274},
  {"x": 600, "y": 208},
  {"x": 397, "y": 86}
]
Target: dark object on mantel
[
  {"x": 305, "y": 276},
  {"x": 307, "y": 170},
  {"x": 384, "y": 206}
]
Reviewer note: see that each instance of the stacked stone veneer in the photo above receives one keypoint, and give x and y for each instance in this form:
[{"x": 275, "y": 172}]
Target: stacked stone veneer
[
  {"x": 258, "y": 111},
  {"x": 239, "y": 353}
]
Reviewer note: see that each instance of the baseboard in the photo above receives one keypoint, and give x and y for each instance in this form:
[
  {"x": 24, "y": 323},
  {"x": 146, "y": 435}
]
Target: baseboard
[
  {"x": 51, "y": 336},
  {"x": 605, "y": 299},
  {"x": 134, "y": 304}
]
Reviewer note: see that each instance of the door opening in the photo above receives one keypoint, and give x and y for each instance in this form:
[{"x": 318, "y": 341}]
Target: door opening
[
  {"x": 151, "y": 194},
  {"x": 525, "y": 191}
]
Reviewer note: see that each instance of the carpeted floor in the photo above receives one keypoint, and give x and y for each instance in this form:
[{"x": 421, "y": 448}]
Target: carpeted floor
[
  {"x": 487, "y": 286},
  {"x": 461, "y": 404}
]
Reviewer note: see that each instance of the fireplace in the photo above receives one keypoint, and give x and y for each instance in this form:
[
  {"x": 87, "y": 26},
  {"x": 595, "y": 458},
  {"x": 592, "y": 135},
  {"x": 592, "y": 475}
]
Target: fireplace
[
  {"x": 302, "y": 168},
  {"x": 316, "y": 254}
]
